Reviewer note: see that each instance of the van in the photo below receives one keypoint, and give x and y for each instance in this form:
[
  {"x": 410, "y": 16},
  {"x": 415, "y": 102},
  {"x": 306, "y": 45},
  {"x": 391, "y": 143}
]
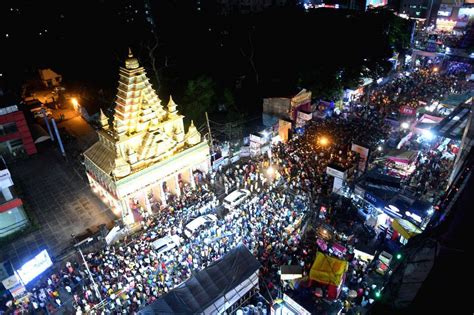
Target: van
[
  {"x": 235, "y": 198},
  {"x": 195, "y": 224},
  {"x": 166, "y": 243},
  {"x": 383, "y": 262}
]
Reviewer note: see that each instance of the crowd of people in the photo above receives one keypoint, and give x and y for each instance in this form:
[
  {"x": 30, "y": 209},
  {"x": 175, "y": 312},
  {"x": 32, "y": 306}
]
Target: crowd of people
[
  {"x": 417, "y": 89},
  {"x": 284, "y": 184},
  {"x": 131, "y": 274}
]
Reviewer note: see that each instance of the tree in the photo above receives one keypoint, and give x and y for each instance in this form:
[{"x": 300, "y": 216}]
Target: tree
[{"x": 199, "y": 97}]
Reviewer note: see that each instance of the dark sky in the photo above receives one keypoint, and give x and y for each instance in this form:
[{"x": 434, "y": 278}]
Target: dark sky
[{"x": 83, "y": 38}]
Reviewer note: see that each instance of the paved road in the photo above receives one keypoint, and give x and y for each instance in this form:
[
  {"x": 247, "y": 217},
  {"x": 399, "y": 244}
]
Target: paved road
[{"x": 58, "y": 199}]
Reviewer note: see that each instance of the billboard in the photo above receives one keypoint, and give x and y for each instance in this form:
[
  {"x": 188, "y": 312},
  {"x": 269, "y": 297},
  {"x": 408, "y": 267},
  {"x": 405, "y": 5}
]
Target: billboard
[
  {"x": 302, "y": 118},
  {"x": 407, "y": 110},
  {"x": 300, "y": 102},
  {"x": 364, "y": 154},
  {"x": 14, "y": 285},
  {"x": 376, "y": 3},
  {"x": 336, "y": 173},
  {"x": 35, "y": 267},
  {"x": 283, "y": 129}
]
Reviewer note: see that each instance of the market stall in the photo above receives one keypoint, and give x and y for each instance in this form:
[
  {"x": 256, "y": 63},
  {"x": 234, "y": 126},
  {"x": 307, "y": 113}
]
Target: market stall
[
  {"x": 401, "y": 162},
  {"x": 405, "y": 228},
  {"x": 329, "y": 271}
]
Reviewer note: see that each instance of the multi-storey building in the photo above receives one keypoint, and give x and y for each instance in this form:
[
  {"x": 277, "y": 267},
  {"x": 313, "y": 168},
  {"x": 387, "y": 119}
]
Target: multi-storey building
[{"x": 15, "y": 136}]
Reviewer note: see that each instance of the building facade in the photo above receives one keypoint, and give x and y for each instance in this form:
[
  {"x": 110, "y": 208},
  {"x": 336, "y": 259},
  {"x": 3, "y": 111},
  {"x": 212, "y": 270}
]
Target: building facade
[
  {"x": 15, "y": 136},
  {"x": 50, "y": 78},
  {"x": 144, "y": 153},
  {"x": 12, "y": 215}
]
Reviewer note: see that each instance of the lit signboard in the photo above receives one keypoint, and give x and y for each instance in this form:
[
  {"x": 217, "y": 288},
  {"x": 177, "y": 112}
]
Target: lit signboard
[
  {"x": 376, "y": 3},
  {"x": 35, "y": 267}
]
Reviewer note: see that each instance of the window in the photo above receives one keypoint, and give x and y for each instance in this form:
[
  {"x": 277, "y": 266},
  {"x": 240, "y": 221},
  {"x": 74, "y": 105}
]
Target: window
[
  {"x": 8, "y": 128},
  {"x": 16, "y": 143}
]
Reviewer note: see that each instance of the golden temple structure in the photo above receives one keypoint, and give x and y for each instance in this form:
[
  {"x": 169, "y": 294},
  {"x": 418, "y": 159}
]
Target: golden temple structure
[{"x": 144, "y": 152}]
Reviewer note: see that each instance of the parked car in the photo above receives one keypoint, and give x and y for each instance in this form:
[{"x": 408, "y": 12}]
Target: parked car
[
  {"x": 41, "y": 111},
  {"x": 383, "y": 262},
  {"x": 195, "y": 224},
  {"x": 166, "y": 243},
  {"x": 235, "y": 198}
]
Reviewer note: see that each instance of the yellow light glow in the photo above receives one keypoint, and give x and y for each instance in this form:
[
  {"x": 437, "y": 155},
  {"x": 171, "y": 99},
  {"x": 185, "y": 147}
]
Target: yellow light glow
[
  {"x": 74, "y": 101},
  {"x": 435, "y": 69},
  {"x": 323, "y": 141}
]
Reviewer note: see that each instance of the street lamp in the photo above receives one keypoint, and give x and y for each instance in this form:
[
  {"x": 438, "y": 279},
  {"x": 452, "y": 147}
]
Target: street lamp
[
  {"x": 323, "y": 141},
  {"x": 75, "y": 103}
]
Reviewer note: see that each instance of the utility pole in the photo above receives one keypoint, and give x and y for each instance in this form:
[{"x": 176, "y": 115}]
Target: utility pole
[
  {"x": 94, "y": 284},
  {"x": 45, "y": 116},
  {"x": 61, "y": 147},
  {"x": 210, "y": 135}
]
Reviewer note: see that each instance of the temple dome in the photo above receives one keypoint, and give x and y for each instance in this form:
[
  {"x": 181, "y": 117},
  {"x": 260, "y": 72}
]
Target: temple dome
[
  {"x": 193, "y": 136},
  {"x": 131, "y": 62}
]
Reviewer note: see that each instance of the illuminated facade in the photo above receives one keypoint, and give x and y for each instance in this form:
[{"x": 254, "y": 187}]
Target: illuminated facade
[{"x": 144, "y": 153}]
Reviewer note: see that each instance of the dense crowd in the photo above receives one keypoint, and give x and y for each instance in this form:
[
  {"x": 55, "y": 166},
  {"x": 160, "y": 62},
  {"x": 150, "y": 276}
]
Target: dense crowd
[
  {"x": 284, "y": 185},
  {"x": 417, "y": 89}
]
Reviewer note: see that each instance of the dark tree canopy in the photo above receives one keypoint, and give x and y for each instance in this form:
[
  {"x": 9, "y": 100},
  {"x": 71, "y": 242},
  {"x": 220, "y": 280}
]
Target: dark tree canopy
[{"x": 249, "y": 56}]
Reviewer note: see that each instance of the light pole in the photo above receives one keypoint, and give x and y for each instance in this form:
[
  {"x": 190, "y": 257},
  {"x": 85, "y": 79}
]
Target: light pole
[{"x": 94, "y": 284}]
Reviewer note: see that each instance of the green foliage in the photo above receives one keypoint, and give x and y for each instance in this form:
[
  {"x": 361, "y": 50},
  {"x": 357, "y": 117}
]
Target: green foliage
[{"x": 199, "y": 97}]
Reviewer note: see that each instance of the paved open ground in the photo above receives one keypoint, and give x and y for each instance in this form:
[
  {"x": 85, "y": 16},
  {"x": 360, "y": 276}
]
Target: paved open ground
[{"x": 58, "y": 199}]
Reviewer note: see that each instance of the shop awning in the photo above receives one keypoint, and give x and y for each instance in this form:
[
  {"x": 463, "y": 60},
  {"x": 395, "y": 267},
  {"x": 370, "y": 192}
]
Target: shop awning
[
  {"x": 402, "y": 156},
  {"x": 405, "y": 228},
  {"x": 213, "y": 289},
  {"x": 328, "y": 270}
]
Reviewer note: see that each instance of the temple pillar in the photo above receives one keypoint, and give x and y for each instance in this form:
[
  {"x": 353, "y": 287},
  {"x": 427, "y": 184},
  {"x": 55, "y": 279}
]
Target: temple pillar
[
  {"x": 162, "y": 193},
  {"x": 147, "y": 202},
  {"x": 176, "y": 185},
  {"x": 191, "y": 179},
  {"x": 127, "y": 214}
]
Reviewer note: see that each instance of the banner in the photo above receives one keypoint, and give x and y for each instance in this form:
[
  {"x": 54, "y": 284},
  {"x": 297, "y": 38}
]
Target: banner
[
  {"x": 111, "y": 235},
  {"x": 35, "y": 267},
  {"x": 407, "y": 110},
  {"x": 301, "y": 101},
  {"x": 336, "y": 187},
  {"x": 257, "y": 139},
  {"x": 302, "y": 118},
  {"x": 364, "y": 154},
  {"x": 283, "y": 129},
  {"x": 336, "y": 173},
  {"x": 244, "y": 151},
  {"x": 14, "y": 285}
]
